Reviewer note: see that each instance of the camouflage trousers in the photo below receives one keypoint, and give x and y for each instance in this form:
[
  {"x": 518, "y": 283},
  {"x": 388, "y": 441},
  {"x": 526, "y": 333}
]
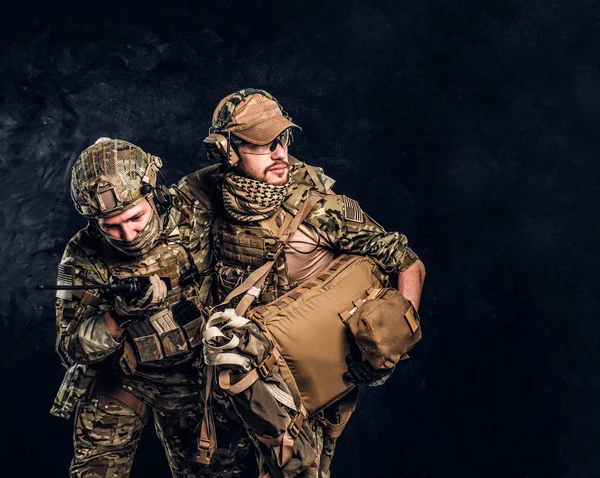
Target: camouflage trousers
[
  {"x": 325, "y": 447},
  {"x": 108, "y": 431}
]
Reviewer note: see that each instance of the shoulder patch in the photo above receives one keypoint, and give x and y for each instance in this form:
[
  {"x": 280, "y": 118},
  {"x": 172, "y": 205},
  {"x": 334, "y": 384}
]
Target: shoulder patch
[
  {"x": 352, "y": 211},
  {"x": 64, "y": 277}
]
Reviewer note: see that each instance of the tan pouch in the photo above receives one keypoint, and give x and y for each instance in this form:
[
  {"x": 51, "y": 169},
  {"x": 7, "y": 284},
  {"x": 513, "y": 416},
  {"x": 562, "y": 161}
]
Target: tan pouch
[
  {"x": 385, "y": 327},
  {"x": 305, "y": 326}
]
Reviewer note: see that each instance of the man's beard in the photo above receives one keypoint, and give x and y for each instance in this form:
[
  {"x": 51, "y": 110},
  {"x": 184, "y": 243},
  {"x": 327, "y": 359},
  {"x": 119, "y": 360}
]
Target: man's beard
[{"x": 262, "y": 176}]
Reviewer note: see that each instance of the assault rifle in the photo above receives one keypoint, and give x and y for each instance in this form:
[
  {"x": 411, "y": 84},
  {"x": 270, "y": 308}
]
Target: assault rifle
[{"x": 129, "y": 286}]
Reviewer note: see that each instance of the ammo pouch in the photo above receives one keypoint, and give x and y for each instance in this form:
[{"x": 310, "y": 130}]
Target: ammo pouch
[
  {"x": 168, "y": 332},
  {"x": 385, "y": 326}
]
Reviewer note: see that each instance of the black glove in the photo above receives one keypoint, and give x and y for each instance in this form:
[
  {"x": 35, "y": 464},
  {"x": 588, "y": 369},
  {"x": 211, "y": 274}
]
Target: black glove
[{"x": 362, "y": 372}]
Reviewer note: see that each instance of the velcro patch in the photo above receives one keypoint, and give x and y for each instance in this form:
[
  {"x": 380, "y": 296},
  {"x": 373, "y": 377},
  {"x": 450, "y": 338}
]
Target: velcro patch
[
  {"x": 64, "y": 277},
  {"x": 352, "y": 211}
]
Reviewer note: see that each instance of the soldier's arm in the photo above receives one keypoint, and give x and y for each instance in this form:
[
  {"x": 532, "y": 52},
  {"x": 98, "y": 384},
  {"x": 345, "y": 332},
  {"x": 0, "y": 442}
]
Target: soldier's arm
[
  {"x": 83, "y": 331},
  {"x": 354, "y": 232},
  {"x": 410, "y": 283}
]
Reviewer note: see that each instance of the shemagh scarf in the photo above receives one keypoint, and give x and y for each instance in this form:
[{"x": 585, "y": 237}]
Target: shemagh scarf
[{"x": 249, "y": 200}]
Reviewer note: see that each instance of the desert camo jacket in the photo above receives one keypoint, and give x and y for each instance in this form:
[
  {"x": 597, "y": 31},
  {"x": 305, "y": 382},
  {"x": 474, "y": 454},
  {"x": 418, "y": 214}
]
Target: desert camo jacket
[{"x": 83, "y": 341}]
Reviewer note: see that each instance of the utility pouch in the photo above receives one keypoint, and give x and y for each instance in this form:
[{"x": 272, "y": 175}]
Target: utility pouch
[
  {"x": 191, "y": 321},
  {"x": 170, "y": 334},
  {"x": 145, "y": 341},
  {"x": 385, "y": 326},
  {"x": 127, "y": 360},
  {"x": 74, "y": 387}
]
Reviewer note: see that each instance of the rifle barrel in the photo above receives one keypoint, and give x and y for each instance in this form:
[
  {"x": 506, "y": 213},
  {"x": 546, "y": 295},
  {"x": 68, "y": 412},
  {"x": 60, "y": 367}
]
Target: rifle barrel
[{"x": 71, "y": 287}]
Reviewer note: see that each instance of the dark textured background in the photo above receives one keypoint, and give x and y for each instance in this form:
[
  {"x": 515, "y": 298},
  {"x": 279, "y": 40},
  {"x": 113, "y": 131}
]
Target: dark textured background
[{"x": 473, "y": 129}]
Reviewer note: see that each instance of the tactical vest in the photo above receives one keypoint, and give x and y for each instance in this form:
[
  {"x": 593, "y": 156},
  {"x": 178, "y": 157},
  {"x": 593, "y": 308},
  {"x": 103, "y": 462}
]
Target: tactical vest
[
  {"x": 241, "y": 248},
  {"x": 175, "y": 329}
]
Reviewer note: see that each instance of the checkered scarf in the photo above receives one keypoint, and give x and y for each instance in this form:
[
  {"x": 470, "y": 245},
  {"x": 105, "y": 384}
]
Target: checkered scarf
[{"x": 249, "y": 200}]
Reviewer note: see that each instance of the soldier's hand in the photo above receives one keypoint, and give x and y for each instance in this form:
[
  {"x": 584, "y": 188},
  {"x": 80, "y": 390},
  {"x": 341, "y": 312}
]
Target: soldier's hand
[
  {"x": 150, "y": 297},
  {"x": 361, "y": 372}
]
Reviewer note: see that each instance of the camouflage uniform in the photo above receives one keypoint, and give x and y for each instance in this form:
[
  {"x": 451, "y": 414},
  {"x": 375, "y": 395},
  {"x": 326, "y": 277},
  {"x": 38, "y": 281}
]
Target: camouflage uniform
[
  {"x": 343, "y": 228},
  {"x": 111, "y": 383},
  {"x": 249, "y": 136}
]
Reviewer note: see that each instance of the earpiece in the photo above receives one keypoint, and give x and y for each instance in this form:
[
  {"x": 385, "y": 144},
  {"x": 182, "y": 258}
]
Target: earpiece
[
  {"x": 218, "y": 148},
  {"x": 163, "y": 199},
  {"x": 146, "y": 188}
]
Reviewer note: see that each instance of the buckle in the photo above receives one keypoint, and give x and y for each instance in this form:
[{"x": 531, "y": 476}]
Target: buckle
[
  {"x": 275, "y": 251},
  {"x": 203, "y": 457},
  {"x": 264, "y": 368},
  {"x": 204, "y": 453},
  {"x": 295, "y": 425}
]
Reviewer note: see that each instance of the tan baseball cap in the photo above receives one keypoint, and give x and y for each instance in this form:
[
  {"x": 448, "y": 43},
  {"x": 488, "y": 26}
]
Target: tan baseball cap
[{"x": 256, "y": 118}]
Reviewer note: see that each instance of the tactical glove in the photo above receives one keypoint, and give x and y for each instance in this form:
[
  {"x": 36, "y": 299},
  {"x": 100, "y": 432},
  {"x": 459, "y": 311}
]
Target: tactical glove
[
  {"x": 127, "y": 308},
  {"x": 362, "y": 372}
]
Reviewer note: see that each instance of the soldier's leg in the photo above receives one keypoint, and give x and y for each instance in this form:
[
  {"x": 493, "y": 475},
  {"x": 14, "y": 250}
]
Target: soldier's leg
[
  {"x": 327, "y": 451},
  {"x": 335, "y": 418},
  {"x": 106, "y": 436},
  {"x": 178, "y": 416}
]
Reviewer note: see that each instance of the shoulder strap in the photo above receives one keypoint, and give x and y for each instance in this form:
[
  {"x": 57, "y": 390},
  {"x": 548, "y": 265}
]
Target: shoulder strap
[{"x": 251, "y": 286}]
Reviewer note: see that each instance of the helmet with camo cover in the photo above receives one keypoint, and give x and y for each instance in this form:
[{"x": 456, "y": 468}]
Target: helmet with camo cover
[{"x": 110, "y": 176}]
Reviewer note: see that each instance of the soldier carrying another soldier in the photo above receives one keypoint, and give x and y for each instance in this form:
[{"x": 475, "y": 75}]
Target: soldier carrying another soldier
[{"x": 272, "y": 236}]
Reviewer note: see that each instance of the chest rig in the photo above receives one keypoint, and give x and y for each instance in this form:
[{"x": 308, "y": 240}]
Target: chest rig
[
  {"x": 175, "y": 329},
  {"x": 240, "y": 248}
]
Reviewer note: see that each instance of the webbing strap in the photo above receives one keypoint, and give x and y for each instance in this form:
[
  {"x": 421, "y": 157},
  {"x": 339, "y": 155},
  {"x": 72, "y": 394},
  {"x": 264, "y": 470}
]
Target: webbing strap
[
  {"x": 412, "y": 317},
  {"x": 247, "y": 379},
  {"x": 283, "y": 446},
  {"x": 215, "y": 354},
  {"x": 258, "y": 277},
  {"x": 123, "y": 396},
  {"x": 346, "y": 409},
  {"x": 208, "y": 435},
  {"x": 224, "y": 358}
]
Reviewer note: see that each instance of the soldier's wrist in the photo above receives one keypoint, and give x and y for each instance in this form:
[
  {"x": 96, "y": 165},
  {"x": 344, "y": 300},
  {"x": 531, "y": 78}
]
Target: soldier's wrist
[{"x": 113, "y": 326}]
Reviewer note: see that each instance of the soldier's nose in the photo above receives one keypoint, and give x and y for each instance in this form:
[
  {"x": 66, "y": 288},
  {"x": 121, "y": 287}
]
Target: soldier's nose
[
  {"x": 129, "y": 234},
  {"x": 278, "y": 153}
]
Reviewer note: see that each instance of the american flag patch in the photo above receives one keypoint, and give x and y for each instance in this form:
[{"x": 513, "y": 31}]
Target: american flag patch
[
  {"x": 352, "y": 211},
  {"x": 64, "y": 277}
]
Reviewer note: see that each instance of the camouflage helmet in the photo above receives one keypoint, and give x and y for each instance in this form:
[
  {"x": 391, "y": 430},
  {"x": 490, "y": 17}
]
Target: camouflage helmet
[{"x": 111, "y": 176}]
